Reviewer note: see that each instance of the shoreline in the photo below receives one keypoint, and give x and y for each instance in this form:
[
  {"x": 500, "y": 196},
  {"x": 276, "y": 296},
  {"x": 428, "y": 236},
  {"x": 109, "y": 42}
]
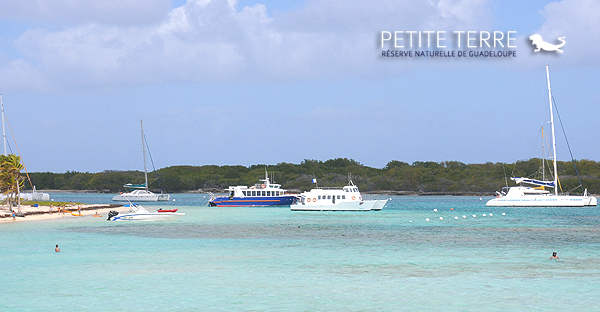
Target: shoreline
[
  {"x": 295, "y": 191},
  {"x": 44, "y": 213}
]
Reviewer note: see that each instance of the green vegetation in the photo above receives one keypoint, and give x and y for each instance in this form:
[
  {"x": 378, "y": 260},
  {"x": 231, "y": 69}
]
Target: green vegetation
[
  {"x": 446, "y": 177},
  {"x": 11, "y": 181}
]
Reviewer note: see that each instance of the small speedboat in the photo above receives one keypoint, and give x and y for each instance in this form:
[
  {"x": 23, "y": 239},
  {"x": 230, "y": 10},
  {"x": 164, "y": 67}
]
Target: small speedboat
[
  {"x": 167, "y": 210},
  {"x": 139, "y": 213}
]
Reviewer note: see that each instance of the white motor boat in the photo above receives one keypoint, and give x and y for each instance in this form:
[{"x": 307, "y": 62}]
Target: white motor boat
[
  {"x": 347, "y": 198},
  {"x": 526, "y": 196},
  {"x": 141, "y": 192},
  {"x": 139, "y": 213}
]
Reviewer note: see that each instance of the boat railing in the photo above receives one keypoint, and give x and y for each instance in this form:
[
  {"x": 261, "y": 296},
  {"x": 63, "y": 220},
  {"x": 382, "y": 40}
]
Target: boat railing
[
  {"x": 212, "y": 196},
  {"x": 328, "y": 188}
]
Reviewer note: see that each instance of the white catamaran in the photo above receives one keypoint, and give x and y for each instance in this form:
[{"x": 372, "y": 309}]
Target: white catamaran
[
  {"x": 527, "y": 196},
  {"x": 32, "y": 195},
  {"x": 141, "y": 192}
]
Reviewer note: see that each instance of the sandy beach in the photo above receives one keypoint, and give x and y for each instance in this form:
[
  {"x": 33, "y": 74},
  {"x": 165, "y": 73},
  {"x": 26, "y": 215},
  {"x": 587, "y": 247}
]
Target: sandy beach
[{"x": 46, "y": 213}]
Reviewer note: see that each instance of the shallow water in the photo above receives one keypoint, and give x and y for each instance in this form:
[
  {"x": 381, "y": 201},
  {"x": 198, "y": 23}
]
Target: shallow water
[{"x": 256, "y": 259}]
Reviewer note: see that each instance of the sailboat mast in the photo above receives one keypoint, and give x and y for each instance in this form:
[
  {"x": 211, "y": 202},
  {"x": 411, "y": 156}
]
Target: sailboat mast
[
  {"x": 543, "y": 156},
  {"x": 3, "y": 130},
  {"x": 553, "y": 138},
  {"x": 144, "y": 152}
]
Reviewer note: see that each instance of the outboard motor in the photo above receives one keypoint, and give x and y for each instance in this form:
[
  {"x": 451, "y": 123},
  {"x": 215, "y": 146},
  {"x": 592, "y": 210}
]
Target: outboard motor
[{"x": 111, "y": 214}]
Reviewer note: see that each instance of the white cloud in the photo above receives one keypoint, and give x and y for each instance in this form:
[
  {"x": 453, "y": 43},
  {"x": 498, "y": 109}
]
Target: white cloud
[
  {"x": 74, "y": 12},
  {"x": 210, "y": 40},
  {"x": 578, "y": 22}
]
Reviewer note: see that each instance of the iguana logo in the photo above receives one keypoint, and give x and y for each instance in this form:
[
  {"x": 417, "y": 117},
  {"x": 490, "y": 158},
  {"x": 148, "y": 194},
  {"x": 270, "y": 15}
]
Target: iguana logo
[{"x": 540, "y": 44}]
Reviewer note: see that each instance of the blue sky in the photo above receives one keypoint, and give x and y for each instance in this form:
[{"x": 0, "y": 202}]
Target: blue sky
[{"x": 263, "y": 82}]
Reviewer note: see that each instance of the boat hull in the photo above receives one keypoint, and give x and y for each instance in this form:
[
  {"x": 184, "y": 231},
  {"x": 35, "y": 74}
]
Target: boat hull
[
  {"x": 141, "y": 197},
  {"x": 252, "y": 201},
  {"x": 379, "y": 204},
  {"x": 158, "y": 216},
  {"x": 542, "y": 201},
  {"x": 35, "y": 196},
  {"x": 365, "y": 205}
]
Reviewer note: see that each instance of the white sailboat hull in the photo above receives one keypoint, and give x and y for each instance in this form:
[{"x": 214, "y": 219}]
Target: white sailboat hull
[
  {"x": 543, "y": 201},
  {"x": 141, "y": 196},
  {"x": 30, "y": 196}
]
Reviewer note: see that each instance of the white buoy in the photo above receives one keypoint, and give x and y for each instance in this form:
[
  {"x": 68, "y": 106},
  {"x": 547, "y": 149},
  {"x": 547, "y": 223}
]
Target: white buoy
[
  {"x": 480, "y": 198},
  {"x": 441, "y": 218},
  {"x": 426, "y": 219},
  {"x": 410, "y": 221},
  {"x": 173, "y": 199},
  {"x": 455, "y": 218},
  {"x": 483, "y": 215},
  {"x": 474, "y": 216},
  {"x": 504, "y": 213},
  {"x": 435, "y": 209},
  {"x": 491, "y": 214},
  {"x": 464, "y": 217}
]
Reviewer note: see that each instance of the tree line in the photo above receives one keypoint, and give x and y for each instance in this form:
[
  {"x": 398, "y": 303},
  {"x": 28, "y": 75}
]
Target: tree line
[{"x": 426, "y": 177}]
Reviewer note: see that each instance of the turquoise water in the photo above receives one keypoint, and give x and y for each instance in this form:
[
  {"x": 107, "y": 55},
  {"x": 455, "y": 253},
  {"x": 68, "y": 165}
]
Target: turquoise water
[{"x": 273, "y": 259}]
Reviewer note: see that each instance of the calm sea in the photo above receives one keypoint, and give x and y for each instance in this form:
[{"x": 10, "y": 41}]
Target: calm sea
[{"x": 273, "y": 259}]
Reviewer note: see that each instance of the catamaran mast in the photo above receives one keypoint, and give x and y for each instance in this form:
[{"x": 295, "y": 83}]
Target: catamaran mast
[
  {"x": 3, "y": 130},
  {"x": 144, "y": 152},
  {"x": 553, "y": 139}
]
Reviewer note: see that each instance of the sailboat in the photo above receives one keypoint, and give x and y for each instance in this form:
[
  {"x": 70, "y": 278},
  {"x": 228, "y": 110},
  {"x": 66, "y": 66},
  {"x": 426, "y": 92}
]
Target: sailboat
[
  {"x": 528, "y": 196},
  {"x": 26, "y": 195},
  {"x": 140, "y": 191}
]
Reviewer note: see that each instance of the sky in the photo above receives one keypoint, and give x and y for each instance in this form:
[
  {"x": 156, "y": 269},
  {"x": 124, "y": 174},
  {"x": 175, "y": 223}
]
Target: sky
[{"x": 225, "y": 82}]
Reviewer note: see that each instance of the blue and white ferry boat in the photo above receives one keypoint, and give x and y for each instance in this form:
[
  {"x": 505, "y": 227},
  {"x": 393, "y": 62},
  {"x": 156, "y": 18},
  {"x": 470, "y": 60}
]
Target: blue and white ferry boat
[{"x": 263, "y": 193}]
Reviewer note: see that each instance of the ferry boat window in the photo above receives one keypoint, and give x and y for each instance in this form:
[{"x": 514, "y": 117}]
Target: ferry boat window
[
  {"x": 338, "y": 197},
  {"x": 343, "y": 196},
  {"x": 264, "y": 193},
  {"x": 319, "y": 197},
  {"x": 253, "y": 193},
  {"x": 328, "y": 196},
  {"x": 244, "y": 192}
]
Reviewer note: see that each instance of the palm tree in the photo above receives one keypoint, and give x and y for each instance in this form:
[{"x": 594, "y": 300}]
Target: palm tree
[{"x": 11, "y": 180}]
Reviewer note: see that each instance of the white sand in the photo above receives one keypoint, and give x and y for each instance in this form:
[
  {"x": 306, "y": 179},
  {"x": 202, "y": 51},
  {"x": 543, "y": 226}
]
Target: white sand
[{"x": 86, "y": 210}]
